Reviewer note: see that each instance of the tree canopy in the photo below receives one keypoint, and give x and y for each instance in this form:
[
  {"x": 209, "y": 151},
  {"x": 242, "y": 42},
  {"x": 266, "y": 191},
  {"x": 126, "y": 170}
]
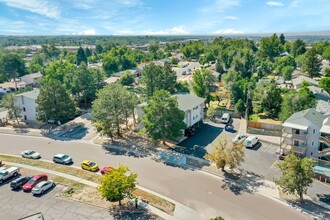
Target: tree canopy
[
  {"x": 203, "y": 83},
  {"x": 312, "y": 64}
]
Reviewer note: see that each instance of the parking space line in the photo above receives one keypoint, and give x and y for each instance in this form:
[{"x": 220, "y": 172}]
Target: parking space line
[{"x": 267, "y": 147}]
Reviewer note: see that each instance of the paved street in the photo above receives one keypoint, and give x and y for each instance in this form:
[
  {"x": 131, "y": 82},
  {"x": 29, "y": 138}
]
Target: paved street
[
  {"x": 199, "y": 191},
  {"x": 17, "y": 204}
]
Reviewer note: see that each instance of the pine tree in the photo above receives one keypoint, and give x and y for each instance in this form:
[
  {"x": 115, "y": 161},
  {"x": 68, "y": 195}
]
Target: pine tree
[
  {"x": 312, "y": 64},
  {"x": 81, "y": 56}
]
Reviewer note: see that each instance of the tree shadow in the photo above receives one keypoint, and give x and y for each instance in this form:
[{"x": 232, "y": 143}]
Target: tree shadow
[
  {"x": 117, "y": 151},
  {"x": 324, "y": 198},
  {"x": 311, "y": 207},
  {"x": 74, "y": 131},
  {"x": 129, "y": 212}
]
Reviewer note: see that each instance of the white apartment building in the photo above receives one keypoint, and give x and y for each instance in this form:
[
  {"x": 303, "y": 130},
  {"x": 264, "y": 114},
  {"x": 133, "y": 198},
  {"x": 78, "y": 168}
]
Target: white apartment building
[{"x": 27, "y": 103}]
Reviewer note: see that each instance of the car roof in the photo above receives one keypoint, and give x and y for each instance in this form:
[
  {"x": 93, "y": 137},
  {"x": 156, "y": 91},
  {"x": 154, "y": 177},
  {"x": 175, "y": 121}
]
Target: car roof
[
  {"x": 42, "y": 183},
  {"x": 28, "y": 151},
  {"x": 59, "y": 155},
  {"x": 38, "y": 176},
  {"x": 250, "y": 138},
  {"x": 87, "y": 161}
]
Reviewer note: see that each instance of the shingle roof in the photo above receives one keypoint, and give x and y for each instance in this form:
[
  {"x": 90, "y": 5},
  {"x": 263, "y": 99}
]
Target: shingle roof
[
  {"x": 300, "y": 79},
  {"x": 309, "y": 114},
  {"x": 188, "y": 101},
  {"x": 31, "y": 94}
]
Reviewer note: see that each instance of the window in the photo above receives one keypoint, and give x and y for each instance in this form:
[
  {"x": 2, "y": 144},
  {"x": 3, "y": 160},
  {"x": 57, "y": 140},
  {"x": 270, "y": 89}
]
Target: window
[
  {"x": 312, "y": 143},
  {"x": 311, "y": 153},
  {"x": 296, "y": 143},
  {"x": 297, "y": 131},
  {"x": 24, "y": 117},
  {"x": 23, "y": 109},
  {"x": 313, "y": 131}
]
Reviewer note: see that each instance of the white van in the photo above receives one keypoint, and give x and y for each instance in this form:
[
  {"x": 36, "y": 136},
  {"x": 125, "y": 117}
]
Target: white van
[
  {"x": 251, "y": 141},
  {"x": 225, "y": 118}
]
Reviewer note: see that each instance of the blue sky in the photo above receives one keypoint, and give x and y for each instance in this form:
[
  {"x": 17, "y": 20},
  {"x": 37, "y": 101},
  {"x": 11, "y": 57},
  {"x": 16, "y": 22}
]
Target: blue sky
[{"x": 161, "y": 17}]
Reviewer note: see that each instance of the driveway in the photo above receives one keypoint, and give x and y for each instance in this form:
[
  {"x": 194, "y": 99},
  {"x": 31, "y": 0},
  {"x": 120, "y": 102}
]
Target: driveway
[{"x": 18, "y": 204}]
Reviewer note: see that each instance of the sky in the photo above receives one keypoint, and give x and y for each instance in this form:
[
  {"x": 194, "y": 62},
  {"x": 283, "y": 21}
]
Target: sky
[{"x": 161, "y": 17}]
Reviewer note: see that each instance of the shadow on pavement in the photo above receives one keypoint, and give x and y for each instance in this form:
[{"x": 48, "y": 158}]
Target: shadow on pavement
[
  {"x": 324, "y": 198},
  {"x": 124, "y": 152},
  {"x": 129, "y": 212},
  {"x": 75, "y": 131},
  {"x": 311, "y": 207}
]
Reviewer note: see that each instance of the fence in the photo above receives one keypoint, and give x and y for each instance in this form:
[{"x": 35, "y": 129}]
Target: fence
[
  {"x": 264, "y": 128},
  {"x": 232, "y": 114}
]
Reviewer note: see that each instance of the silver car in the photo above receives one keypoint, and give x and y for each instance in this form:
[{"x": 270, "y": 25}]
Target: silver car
[
  {"x": 42, "y": 187},
  {"x": 32, "y": 154},
  {"x": 62, "y": 159}
]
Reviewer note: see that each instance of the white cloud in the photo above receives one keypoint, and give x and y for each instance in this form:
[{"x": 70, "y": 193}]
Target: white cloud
[
  {"x": 231, "y": 17},
  {"x": 89, "y": 32},
  {"x": 125, "y": 32},
  {"x": 178, "y": 30},
  {"x": 221, "y": 5},
  {"x": 227, "y": 31},
  {"x": 41, "y": 7},
  {"x": 275, "y": 4}
]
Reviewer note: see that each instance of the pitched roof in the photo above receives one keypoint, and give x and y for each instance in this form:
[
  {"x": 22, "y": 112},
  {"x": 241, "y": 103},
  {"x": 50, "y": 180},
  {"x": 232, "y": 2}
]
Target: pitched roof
[
  {"x": 31, "y": 94},
  {"x": 188, "y": 101},
  {"x": 300, "y": 79},
  {"x": 309, "y": 114}
]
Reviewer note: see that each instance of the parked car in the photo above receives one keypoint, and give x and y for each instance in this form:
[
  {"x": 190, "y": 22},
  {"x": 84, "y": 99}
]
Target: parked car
[
  {"x": 31, "y": 154},
  {"x": 42, "y": 187},
  {"x": 18, "y": 183},
  {"x": 229, "y": 128},
  {"x": 251, "y": 141},
  {"x": 89, "y": 165},
  {"x": 106, "y": 169},
  {"x": 62, "y": 158},
  {"x": 27, "y": 187},
  {"x": 239, "y": 138},
  {"x": 225, "y": 118},
  {"x": 189, "y": 132},
  {"x": 6, "y": 174}
]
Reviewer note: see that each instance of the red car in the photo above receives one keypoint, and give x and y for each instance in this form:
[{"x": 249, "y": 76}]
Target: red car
[
  {"x": 34, "y": 181},
  {"x": 106, "y": 169}
]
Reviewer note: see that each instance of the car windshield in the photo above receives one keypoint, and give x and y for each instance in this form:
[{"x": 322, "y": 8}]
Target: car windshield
[
  {"x": 32, "y": 181},
  {"x": 30, "y": 152},
  {"x": 64, "y": 157},
  {"x": 92, "y": 164},
  {"x": 1, "y": 174}
]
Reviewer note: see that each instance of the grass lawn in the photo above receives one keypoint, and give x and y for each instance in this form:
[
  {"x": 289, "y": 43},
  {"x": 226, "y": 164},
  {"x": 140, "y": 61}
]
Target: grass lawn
[
  {"x": 78, "y": 190},
  {"x": 256, "y": 118}
]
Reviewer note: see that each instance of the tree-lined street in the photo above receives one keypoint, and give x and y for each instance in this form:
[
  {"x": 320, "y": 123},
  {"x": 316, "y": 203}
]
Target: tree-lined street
[{"x": 206, "y": 193}]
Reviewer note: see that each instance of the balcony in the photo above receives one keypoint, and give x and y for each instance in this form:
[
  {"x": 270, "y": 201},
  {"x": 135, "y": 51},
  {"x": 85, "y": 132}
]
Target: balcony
[
  {"x": 300, "y": 137},
  {"x": 325, "y": 139},
  {"x": 299, "y": 150},
  {"x": 324, "y": 153}
]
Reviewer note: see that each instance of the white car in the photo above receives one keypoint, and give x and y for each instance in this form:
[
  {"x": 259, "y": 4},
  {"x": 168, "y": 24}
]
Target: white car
[
  {"x": 31, "y": 154},
  {"x": 239, "y": 138},
  {"x": 42, "y": 187}
]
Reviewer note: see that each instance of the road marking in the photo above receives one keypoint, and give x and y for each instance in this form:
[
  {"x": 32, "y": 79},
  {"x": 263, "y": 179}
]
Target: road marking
[{"x": 268, "y": 147}]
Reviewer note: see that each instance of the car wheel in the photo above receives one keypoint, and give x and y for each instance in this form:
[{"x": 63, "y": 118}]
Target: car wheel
[
  {"x": 53, "y": 185},
  {"x": 1, "y": 181},
  {"x": 54, "y": 161},
  {"x": 15, "y": 174},
  {"x": 42, "y": 192}
]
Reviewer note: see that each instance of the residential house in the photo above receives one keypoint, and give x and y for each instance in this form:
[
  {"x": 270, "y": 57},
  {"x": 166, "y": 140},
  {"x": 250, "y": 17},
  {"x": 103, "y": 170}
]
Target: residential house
[
  {"x": 32, "y": 79},
  {"x": 136, "y": 72},
  {"x": 298, "y": 80},
  {"x": 323, "y": 100},
  {"x": 10, "y": 86},
  {"x": 27, "y": 103},
  {"x": 162, "y": 62},
  {"x": 307, "y": 133},
  {"x": 112, "y": 79},
  {"x": 192, "y": 105}
]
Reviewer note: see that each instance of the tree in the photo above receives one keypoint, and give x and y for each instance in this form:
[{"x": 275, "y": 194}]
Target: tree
[
  {"x": 118, "y": 184},
  {"x": 162, "y": 117},
  {"x": 157, "y": 78},
  {"x": 111, "y": 108},
  {"x": 81, "y": 56},
  {"x": 326, "y": 72},
  {"x": 236, "y": 86},
  {"x": 297, "y": 175},
  {"x": 210, "y": 112},
  {"x": 127, "y": 79},
  {"x": 326, "y": 53},
  {"x": 54, "y": 102},
  {"x": 182, "y": 87},
  {"x": 226, "y": 153},
  {"x": 217, "y": 218},
  {"x": 312, "y": 64},
  {"x": 282, "y": 39},
  {"x": 325, "y": 84},
  {"x": 203, "y": 83},
  {"x": 298, "y": 48},
  {"x": 88, "y": 52},
  {"x": 57, "y": 70},
  {"x": 287, "y": 72},
  {"x": 36, "y": 63},
  {"x": 98, "y": 49},
  {"x": 8, "y": 102},
  {"x": 240, "y": 106},
  {"x": 295, "y": 101},
  {"x": 12, "y": 66},
  {"x": 270, "y": 48},
  {"x": 282, "y": 62}
]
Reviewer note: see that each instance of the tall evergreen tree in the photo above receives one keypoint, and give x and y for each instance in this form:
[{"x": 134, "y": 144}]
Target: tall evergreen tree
[
  {"x": 81, "y": 56},
  {"x": 282, "y": 39},
  {"x": 312, "y": 64}
]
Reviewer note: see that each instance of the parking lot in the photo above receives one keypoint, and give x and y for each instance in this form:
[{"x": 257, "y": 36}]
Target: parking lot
[{"x": 18, "y": 204}]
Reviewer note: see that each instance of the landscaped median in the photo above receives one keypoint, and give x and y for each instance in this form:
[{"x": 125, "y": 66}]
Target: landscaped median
[{"x": 82, "y": 192}]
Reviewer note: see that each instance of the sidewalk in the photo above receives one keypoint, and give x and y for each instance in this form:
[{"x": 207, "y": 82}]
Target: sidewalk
[
  {"x": 181, "y": 212},
  {"x": 22, "y": 131},
  {"x": 265, "y": 138}
]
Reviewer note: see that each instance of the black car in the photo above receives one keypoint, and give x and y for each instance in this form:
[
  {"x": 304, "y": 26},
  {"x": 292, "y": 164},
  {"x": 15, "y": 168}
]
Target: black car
[{"x": 19, "y": 182}]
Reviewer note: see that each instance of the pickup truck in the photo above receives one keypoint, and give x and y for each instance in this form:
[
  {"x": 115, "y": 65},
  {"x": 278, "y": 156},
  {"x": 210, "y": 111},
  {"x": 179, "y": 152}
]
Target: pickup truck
[{"x": 8, "y": 173}]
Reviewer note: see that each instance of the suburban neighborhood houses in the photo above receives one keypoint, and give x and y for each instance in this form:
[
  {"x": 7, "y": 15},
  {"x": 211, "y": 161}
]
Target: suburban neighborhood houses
[{"x": 167, "y": 122}]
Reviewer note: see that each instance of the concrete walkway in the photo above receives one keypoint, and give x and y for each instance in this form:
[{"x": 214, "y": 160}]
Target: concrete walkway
[{"x": 181, "y": 212}]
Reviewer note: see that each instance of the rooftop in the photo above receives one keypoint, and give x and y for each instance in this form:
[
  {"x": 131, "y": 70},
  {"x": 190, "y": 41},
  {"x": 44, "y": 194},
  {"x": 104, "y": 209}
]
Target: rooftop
[
  {"x": 309, "y": 114},
  {"x": 299, "y": 79},
  {"x": 31, "y": 94},
  {"x": 188, "y": 101}
]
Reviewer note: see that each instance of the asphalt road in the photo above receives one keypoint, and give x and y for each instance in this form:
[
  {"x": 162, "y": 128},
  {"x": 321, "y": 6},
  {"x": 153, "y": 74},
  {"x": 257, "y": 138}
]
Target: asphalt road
[
  {"x": 199, "y": 191},
  {"x": 18, "y": 204}
]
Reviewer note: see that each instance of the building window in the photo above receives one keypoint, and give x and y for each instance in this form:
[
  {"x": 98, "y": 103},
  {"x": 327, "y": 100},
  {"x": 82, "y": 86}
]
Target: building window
[
  {"x": 312, "y": 143},
  {"x": 23, "y": 109},
  {"x": 297, "y": 131},
  {"x": 24, "y": 117},
  {"x": 313, "y": 131},
  {"x": 296, "y": 143},
  {"x": 311, "y": 153}
]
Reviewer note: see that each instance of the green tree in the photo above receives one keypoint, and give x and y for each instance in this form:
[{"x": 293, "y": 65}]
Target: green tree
[
  {"x": 326, "y": 72},
  {"x": 81, "y": 56},
  {"x": 269, "y": 48},
  {"x": 298, "y": 48},
  {"x": 153, "y": 49},
  {"x": 325, "y": 84},
  {"x": 226, "y": 153},
  {"x": 203, "y": 83},
  {"x": 295, "y": 101},
  {"x": 8, "y": 102},
  {"x": 98, "y": 49},
  {"x": 182, "y": 87},
  {"x": 287, "y": 72},
  {"x": 236, "y": 86},
  {"x": 282, "y": 39},
  {"x": 110, "y": 109},
  {"x": 297, "y": 175},
  {"x": 36, "y": 63},
  {"x": 57, "y": 70},
  {"x": 54, "y": 102},
  {"x": 12, "y": 66},
  {"x": 217, "y": 218},
  {"x": 127, "y": 79},
  {"x": 326, "y": 53},
  {"x": 210, "y": 112},
  {"x": 240, "y": 106},
  {"x": 162, "y": 117},
  {"x": 156, "y": 78},
  {"x": 312, "y": 64},
  {"x": 118, "y": 184},
  {"x": 282, "y": 62},
  {"x": 88, "y": 52}
]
